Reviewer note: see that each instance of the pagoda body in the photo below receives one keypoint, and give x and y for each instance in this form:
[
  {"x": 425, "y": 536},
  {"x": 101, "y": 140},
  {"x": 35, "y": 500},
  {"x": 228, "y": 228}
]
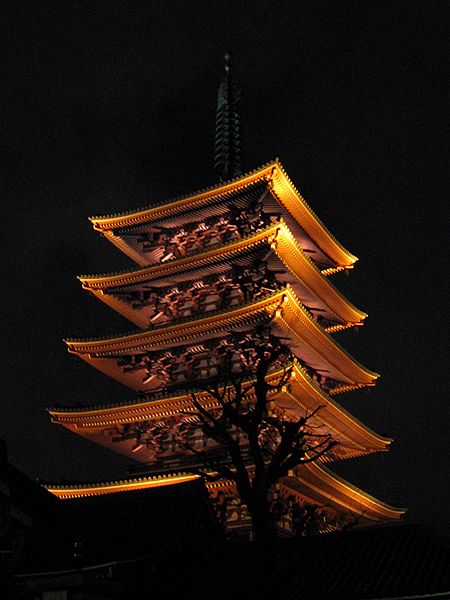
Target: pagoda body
[{"x": 213, "y": 267}]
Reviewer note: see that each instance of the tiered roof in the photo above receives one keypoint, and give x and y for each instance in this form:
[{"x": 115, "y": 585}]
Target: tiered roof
[
  {"x": 301, "y": 395},
  {"x": 125, "y": 358},
  {"x": 133, "y": 293},
  {"x": 212, "y": 267},
  {"x": 312, "y": 483},
  {"x": 269, "y": 185}
]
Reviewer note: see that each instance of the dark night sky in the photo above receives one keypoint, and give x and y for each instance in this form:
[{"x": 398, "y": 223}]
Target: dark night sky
[{"x": 108, "y": 106}]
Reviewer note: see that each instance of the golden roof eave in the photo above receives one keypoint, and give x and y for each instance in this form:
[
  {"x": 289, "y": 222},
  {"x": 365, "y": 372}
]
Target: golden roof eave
[
  {"x": 66, "y": 492},
  {"x": 284, "y": 245},
  {"x": 285, "y": 310},
  {"x": 160, "y": 270},
  {"x": 282, "y": 187},
  {"x": 314, "y": 478},
  {"x": 302, "y": 392},
  {"x": 346, "y": 494}
]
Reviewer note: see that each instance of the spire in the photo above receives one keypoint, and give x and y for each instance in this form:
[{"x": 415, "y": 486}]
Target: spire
[{"x": 227, "y": 158}]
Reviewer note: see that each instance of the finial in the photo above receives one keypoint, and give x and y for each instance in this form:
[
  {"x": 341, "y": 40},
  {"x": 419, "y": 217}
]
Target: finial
[
  {"x": 228, "y": 58},
  {"x": 227, "y": 159}
]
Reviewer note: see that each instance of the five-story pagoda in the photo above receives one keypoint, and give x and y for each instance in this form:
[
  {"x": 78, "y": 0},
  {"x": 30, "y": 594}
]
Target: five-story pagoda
[{"x": 213, "y": 267}]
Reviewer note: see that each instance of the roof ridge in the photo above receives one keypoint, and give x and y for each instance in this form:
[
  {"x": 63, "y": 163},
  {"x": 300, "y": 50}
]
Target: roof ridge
[
  {"x": 171, "y": 262},
  {"x": 209, "y": 188},
  {"x": 179, "y": 321},
  {"x": 159, "y": 396}
]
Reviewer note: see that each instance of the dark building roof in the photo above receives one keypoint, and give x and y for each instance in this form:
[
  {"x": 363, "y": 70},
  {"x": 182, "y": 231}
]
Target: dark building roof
[
  {"x": 384, "y": 562},
  {"x": 166, "y": 539},
  {"x": 23, "y": 493},
  {"x": 116, "y": 527}
]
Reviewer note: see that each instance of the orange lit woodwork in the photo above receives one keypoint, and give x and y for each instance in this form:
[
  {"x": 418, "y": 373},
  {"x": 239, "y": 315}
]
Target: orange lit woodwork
[{"x": 204, "y": 275}]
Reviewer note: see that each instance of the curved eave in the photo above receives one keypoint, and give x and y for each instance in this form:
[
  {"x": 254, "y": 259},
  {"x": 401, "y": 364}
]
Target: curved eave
[
  {"x": 173, "y": 334},
  {"x": 317, "y": 477},
  {"x": 66, "y": 492},
  {"x": 286, "y": 311},
  {"x": 302, "y": 396},
  {"x": 167, "y": 269},
  {"x": 278, "y": 236},
  {"x": 295, "y": 318},
  {"x": 306, "y": 217},
  {"x": 95, "y": 417},
  {"x": 303, "y": 267},
  {"x": 310, "y": 395},
  {"x": 281, "y": 186}
]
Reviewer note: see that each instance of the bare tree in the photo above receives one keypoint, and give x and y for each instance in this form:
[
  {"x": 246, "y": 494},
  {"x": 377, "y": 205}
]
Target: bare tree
[{"x": 260, "y": 446}]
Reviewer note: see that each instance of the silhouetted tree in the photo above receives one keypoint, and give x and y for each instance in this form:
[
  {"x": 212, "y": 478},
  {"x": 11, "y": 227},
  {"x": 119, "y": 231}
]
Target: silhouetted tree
[{"x": 261, "y": 445}]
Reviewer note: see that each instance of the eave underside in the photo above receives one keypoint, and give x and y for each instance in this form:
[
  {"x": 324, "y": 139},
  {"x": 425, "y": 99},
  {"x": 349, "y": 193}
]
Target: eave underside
[
  {"x": 302, "y": 396},
  {"x": 123, "y": 358},
  {"x": 313, "y": 483},
  {"x": 153, "y": 295},
  {"x": 283, "y": 197}
]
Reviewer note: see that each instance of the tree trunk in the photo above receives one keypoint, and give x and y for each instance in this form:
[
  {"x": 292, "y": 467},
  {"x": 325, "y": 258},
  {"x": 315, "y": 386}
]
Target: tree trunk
[
  {"x": 259, "y": 509},
  {"x": 266, "y": 547}
]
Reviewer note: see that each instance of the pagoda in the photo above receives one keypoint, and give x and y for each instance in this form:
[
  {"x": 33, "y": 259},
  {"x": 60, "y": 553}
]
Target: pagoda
[{"x": 213, "y": 266}]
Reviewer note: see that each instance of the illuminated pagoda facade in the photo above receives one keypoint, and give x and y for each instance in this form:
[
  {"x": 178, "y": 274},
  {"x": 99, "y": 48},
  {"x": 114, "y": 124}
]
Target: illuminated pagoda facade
[{"x": 212, "y": 267}]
